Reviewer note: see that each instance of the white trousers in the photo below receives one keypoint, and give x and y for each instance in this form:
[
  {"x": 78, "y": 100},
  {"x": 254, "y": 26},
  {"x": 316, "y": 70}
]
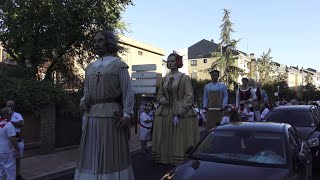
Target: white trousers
[
  {"x": 7, "y": 166},
  {"x": 21, "y": 148}
]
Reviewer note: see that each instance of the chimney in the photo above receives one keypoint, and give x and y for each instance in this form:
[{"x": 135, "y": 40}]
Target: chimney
[
  {"x": 212, "y": 41},
  {"x": 251, "y": 56}
]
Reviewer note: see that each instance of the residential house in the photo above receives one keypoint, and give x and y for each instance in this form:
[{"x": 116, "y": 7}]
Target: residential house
[
  {"x": 141, "y": 53},
  {"x": 199, "y": 57}
]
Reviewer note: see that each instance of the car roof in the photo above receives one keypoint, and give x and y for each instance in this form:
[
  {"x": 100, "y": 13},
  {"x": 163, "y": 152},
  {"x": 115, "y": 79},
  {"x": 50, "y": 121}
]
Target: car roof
[
  {"x": 255, "y": 126},
  {"x": 294, "y": 108}
]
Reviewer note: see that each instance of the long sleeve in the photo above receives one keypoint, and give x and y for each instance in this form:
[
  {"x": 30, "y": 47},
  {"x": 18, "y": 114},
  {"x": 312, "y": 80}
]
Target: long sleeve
[
  {"x": 127, "y": 93},
  {"x": 253, "y": 95},
  {"x": 86, "y": 99},
  {"x": 237, "y": 98},
  {"x": 160, "y": 93},
  {"x": 225, "y": 96},
  {"x": 264, "y": 95},
  {"x": 205, "y": 97},
  {"x": 188, "y": 97}
]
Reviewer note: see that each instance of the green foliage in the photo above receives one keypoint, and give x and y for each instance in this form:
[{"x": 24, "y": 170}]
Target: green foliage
[
  {"x": 226, "y": 58},
  {"x": 308, "y": 78},
  {"x": 31, "y": 95},
  {"x": 56, "y": 32},
  {"x": 265, "y": 67},
  {"x": 198, "y": 87},
  {"x": 310, "y": 92},
  {"x": 16, "y": 71},
  {"x": 285, "y": 93}
]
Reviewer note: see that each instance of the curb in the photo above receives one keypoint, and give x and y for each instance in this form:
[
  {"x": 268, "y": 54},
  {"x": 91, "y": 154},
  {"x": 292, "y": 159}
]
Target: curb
[
  {"x": 54, "y": 175},
  {"x": 70, "y": 170}
]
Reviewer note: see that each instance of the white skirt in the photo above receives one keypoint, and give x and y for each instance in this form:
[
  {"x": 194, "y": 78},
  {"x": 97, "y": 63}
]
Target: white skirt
[{"x": 145, "y": 134}]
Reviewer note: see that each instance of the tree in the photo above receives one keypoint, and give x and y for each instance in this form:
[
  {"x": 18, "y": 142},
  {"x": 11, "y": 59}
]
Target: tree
[
  {"x": 55, "y": 33},
  {"x": 308, "y": 78},
  {"x": 265, "y": 67},
  {"x": 198, "y": 87},
  {"x": 225, "y": 59},
  {"x": 279, "y": 76}
]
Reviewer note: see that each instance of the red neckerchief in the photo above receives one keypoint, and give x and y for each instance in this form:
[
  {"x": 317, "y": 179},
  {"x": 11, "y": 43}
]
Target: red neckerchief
[{"x": 3, "y": 122}]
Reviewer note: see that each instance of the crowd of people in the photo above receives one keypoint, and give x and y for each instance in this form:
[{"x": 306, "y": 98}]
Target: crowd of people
[
  {"x": 172, "y": 126},
  {"x": 172, "y": 123}
]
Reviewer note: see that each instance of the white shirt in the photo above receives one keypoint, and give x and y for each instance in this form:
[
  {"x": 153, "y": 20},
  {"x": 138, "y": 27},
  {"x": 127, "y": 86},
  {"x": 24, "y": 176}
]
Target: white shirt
[
  {"x": 251, "y": 116},
  {"x": 264, "y": 113},
  {"x": 5, "y": 133},
  {"x": 16, "y": 117},
  {"x": 144, "y": 116},
  {"x": 225, "y": 120}
]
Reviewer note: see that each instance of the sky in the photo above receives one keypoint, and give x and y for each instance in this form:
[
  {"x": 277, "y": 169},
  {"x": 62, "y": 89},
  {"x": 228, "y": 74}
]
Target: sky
[{"x": 290, "y": 28}]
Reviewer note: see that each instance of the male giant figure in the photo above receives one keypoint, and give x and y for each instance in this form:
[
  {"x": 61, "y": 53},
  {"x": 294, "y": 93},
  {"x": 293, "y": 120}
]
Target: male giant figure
[
  {"x": 108, "y": 104},
  {"x": 215, "y": 99}
]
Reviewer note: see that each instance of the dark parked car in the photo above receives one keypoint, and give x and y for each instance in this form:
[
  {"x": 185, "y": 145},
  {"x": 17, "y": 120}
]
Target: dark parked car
[
  {"x": 305, "y": 118},
  {"x": 247, "y": 150}
]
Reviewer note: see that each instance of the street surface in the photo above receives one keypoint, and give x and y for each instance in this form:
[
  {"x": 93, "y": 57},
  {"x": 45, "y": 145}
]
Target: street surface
[{"x": 145, "y": 169}]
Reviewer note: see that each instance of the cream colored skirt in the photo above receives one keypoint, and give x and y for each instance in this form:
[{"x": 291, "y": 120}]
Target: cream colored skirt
[
  {"x": 170, "y": 142},
  {"x": 104, "y": 151}
]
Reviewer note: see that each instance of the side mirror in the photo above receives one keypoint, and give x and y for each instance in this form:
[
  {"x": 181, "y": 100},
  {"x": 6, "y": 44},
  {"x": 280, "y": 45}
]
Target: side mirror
[
  {"x": 313, "y": 142},
  {"x": 189, "y": 150}
]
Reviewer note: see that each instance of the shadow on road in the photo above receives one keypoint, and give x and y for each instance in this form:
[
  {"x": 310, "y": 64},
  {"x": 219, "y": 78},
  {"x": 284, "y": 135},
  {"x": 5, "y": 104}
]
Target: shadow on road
[{"x": 145, "y": 169}]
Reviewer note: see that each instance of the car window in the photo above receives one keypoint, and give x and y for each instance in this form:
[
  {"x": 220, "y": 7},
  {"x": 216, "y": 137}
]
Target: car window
[
  {"x": 316, "y": 114},
  {"x": 295, "y": 118},
  {"x": 263, "y": 148}
]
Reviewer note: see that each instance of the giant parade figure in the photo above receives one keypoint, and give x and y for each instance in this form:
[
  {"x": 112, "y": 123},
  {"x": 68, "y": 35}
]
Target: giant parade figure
[
  {"x": 108, "y": 105},
  {"x": 215, "y": 99}
]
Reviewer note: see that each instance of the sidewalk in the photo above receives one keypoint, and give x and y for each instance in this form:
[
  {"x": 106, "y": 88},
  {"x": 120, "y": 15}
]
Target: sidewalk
[{"x": 62, "y": 163}]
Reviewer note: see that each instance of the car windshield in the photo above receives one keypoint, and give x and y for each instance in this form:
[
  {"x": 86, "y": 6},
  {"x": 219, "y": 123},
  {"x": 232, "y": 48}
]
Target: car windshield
[
  {"x": 294, "y": 118},
  {"x": 250, "y": 148}
]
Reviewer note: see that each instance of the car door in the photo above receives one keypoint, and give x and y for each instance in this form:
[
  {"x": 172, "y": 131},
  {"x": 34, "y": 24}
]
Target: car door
[
  {"x": 293, "y": 150},
  {"x": 301, "y": 169},
  {"x": 316, "y": 115}
]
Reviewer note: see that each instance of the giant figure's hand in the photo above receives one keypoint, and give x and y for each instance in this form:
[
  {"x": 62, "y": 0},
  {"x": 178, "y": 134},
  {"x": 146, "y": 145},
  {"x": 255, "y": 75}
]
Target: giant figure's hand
[
  {"x": 124, "y": 122},
  {"x": 163, "y": 100},
  {"x": 83, "y": 107},
  {"x": 176, "y": 121}
]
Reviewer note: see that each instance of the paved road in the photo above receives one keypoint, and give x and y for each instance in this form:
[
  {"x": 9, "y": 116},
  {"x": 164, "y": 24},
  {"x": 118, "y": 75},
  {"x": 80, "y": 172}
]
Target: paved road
[{"x": 145, "y": 169}]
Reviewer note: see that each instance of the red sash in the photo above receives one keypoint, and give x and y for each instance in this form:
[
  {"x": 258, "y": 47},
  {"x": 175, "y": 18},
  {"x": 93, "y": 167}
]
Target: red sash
[{"x": 3, "y": 122}]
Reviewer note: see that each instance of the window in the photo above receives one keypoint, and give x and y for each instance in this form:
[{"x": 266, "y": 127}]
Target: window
[
  {"x": 140, "y": 53},
  {"x": 205, "y": 60},
  {"x": 193, "y": 62}
]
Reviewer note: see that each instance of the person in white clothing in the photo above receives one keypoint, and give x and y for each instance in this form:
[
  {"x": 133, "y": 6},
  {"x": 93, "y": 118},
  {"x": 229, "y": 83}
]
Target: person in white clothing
[
  {"x": 225, "y": 119},
  {"x": 18, "y": 122},
  {"x": 265, "y": 111},
  {"x": 9, "y": 150},
  {"x": 145, "y": 128},
  {"x": 250, "y": 115}
]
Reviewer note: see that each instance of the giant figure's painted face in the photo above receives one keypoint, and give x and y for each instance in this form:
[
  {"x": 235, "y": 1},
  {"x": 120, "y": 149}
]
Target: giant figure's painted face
[{"x": 171, "y": 63}]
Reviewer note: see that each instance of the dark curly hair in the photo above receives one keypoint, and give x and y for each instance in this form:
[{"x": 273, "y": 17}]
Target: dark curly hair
[
  {"x": 112, "y": 40},
  {"x": 178, "y": 59}
]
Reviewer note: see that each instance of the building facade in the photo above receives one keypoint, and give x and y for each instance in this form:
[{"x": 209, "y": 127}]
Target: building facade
[
  {"x": 200, "y": 60},
  {"x": 138, "y": 53}
]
